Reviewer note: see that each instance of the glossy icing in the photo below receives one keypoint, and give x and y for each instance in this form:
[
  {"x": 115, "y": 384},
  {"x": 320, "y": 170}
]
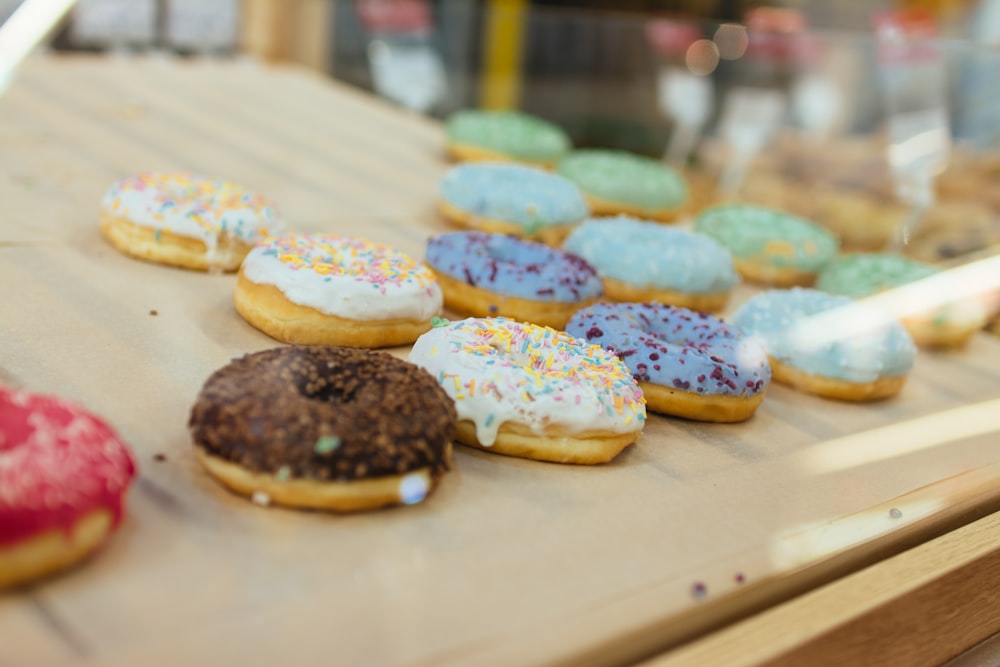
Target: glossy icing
[
  {"x": 781, "y": 239},
  {"x": 514, "y": 267},
  {"x": 676, "y": 347},
  {"x": 516, "y": 134},
  {"x": 193, "y": 206},
  {"x": 526, "y": 196},
  {"x": 347, "y": 277},
  {"x": 648, "y": 254},
  {"x": 623, "y": 177},
  {"x": 828, "y": 335},
  {"x": 863, "y": 274},
  {"x": 499, "y": 371},
  {"x": 58, "y": 463}
]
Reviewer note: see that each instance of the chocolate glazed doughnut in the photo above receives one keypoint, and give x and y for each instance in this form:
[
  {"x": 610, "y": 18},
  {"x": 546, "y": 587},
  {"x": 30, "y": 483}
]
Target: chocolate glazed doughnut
[{"x": 324, "y": 427}]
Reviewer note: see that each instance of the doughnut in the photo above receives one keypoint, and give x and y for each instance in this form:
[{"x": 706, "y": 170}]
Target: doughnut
[
  {"x": 828, "y": 344},
  {"x": 63, "y": 477},
  {"x": 950, "y": 229},
  {"x": 688, "y": 364},
  {"x": 185, "y": 220},
  {"x": 331, "y": 428},
  {"x": 324, "y": 289},
  {"x": 493, "y": 274},
  {"x": 863, "y": 221},
  {"x": 861, "y": 275},
  {"x": 530, "y": 391},
  {"x": 500, "y": 136},
  {"x": 769, "y": 246},
  {"x": 511, "y": 199},
  {"x": 644, "y": 261},
  {"x": 616, "y": 182}
]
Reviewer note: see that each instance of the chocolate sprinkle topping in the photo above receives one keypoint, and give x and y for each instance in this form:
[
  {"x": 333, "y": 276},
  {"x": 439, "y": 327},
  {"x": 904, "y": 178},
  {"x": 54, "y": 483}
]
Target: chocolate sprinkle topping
[{"x": 267, "y": 411}]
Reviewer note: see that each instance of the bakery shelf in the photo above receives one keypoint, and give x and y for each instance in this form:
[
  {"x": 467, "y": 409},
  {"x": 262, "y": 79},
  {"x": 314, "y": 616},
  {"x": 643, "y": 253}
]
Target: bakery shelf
[{"x": 510, "y": 561}]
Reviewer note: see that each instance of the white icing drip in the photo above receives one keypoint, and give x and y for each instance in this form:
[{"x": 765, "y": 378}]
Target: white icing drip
[
  {"x": 145, "y": 208},
  {"x": 349, "y": 297},
  {"x": 499, "y": 395}
]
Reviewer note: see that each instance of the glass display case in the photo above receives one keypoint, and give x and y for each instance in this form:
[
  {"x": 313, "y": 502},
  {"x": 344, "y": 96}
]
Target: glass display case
[{"x": 818, "y": 528}]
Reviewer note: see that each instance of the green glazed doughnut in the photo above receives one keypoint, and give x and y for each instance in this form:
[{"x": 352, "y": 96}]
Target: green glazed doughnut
[
  {"x": 769, "y": 246},
  {"x": 864, "y": 274},
  {"x": 474, "y": 135},
  {"x": 620, "y": 183}
]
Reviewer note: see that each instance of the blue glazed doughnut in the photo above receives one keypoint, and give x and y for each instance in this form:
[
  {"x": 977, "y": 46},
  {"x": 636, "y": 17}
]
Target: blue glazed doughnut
[
  {"x": 645, "y": 261},
  {"x": 511, "y": 199},
  {"x": 828, "y": 344},
  {"x": 688, "y": 364},
  {"x": 494, "y": 274}
]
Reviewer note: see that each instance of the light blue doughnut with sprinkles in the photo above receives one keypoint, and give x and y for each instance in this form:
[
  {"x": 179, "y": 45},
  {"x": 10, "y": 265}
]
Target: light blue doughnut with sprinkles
[
  {"x": 652, "y": 256},
  {"x": 828, "y": 335},
  {"x": 526, "y": 199}
]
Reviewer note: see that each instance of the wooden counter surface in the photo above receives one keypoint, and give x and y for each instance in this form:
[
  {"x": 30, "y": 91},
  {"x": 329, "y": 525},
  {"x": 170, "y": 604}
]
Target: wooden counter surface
[{"x": 511, "y": 561}]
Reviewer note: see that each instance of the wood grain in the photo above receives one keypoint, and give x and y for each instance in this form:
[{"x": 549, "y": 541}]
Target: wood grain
[
  {"x": 919, "y": 608},
  {"x": 510, "y": 561}
]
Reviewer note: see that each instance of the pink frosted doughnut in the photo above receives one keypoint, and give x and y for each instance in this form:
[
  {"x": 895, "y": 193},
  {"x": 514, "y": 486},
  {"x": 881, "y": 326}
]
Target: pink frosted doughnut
[{"x": 63, "y": 477}]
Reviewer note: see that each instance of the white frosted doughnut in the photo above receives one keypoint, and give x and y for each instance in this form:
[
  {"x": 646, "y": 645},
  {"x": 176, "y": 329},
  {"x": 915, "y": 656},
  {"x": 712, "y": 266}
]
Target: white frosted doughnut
[
  {"x": 185, "y": 220},
  {"x": 531, "y": 391},
  {"x": 336, "y": 290}
]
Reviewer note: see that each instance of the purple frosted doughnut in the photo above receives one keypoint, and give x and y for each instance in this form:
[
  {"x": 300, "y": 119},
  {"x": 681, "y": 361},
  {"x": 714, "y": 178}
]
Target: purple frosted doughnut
[
  {"x": 686, "y": 354},
  {"x": 520, "y": 279}
]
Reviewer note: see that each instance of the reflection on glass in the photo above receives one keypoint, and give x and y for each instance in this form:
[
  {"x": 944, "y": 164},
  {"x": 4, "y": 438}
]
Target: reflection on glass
[{"x": 24, "y": 29}]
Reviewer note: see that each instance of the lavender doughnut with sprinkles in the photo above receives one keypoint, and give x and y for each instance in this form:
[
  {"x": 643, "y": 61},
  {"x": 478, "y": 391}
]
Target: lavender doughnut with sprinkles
[
  {"x": 185, "y": 220},
  {"x": 493, "y": 274},
  {"x": 530, "y": 391},
  {"x": 688, "y": 364},
  {"x": 511, "y": 199},
  {"x": 324, "y": 289}
]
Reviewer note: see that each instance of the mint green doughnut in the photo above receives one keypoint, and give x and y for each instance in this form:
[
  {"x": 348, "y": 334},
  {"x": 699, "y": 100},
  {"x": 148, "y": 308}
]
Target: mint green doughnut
[
  {"x": 863, "y": 274},
  {"x": 752, "y": 232},
  {"x": 512, "y": 133},
  {"x": 626, "y": 178}
]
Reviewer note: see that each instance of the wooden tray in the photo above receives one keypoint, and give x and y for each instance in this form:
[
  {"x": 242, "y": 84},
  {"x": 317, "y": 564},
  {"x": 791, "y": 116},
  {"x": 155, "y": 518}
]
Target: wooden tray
[{"x": 511, "y": 561}]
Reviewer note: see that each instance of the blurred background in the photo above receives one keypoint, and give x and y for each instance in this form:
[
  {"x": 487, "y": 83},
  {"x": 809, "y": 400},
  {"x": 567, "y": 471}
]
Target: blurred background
[{"x": 862, "y": 115}]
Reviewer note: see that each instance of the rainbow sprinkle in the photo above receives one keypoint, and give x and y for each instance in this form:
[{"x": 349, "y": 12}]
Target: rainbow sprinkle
[
  {"x": 326, "y": 444},
  {"x": 360, "y": 259},
  {"x": 177, "y": 200},
  {"x": 547, "y": 361}
]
